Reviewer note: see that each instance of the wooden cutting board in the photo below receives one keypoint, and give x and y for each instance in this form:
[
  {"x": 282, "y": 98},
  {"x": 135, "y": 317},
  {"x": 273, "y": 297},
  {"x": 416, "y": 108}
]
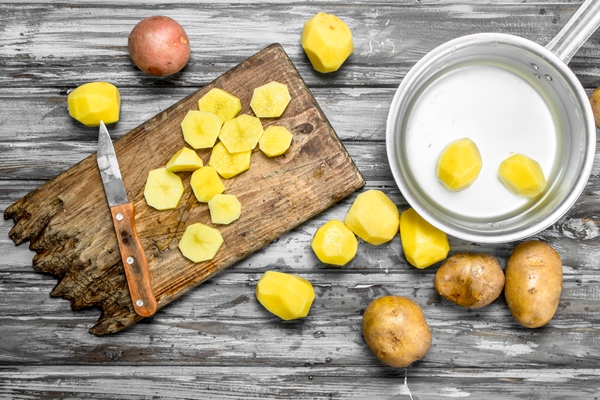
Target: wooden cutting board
[{"x": 68, "y": 222}]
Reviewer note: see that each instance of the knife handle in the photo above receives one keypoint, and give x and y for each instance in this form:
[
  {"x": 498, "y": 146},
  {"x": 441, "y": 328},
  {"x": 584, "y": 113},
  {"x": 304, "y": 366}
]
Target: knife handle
[{"x": 134, "y": 260}]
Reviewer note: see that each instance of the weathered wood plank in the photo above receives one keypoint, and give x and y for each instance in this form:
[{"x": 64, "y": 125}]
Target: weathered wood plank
[
  {"x": 307, "y": 382},
  {"x": 392, "y": 37}
]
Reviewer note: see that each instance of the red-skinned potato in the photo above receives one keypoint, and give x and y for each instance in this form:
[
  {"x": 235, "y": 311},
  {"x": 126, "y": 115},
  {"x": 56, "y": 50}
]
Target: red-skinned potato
[{"x": 159, "y": 46}]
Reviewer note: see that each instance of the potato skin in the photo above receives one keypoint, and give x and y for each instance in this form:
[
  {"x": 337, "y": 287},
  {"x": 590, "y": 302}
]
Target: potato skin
[
  {"x": 395, "y": 330},
  {"x": 159, "y": 46},
  {"x": 470, "y": 280},
  {"x": 533, "y": 283}
]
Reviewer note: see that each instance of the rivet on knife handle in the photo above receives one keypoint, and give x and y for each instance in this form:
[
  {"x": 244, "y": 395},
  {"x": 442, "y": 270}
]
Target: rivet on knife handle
[{"x": 134, "y": 260}]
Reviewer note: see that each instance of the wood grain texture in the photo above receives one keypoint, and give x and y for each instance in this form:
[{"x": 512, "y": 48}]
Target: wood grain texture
[
  {"x": 216, "y": 342},
  {"x": 67, "y": 224}
]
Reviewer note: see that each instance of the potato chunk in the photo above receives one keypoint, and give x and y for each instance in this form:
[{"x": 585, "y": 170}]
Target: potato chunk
[
  {"x": 184, "y": 160},
  {"x": 275, "y": 141},
  {"x": 200, "y": 242},
  {"x": 205, "y": 183},
  {"x": 200, "y": 129},
  {"x": 522, "y": 175},
  {"x": 224, "y": 209},
  {"x": 217, "y": 101},
  {"x": 270, "y": 100},
  {"x": 163, "y": 189},
  {"x": 93, "y": 102},
  {"x": 241, "y": 133},
  {"x": 459, "y": 164},
  {"x": 286, "y": 295},
  {"x": 327, "y": 41},
  {"x": 373, "y": 217},
  {"x": 423, "y": 243},
  {"x": 334, "y": 243},
  {"x": 229, "y": 164}
]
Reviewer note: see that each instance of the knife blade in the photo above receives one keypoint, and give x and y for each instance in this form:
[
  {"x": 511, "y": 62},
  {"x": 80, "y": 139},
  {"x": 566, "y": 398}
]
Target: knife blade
[{"x": 122, "y": 211}]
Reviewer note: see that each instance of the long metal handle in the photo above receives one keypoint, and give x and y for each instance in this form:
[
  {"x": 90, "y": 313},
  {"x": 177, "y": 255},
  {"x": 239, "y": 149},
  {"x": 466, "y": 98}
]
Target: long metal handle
[
  {"x": 134, "y": 260},
  {"x": 575, "y": 33}
]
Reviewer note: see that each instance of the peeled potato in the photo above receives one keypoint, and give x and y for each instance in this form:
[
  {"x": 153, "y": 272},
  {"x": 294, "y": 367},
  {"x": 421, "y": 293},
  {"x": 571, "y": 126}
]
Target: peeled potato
[
  {"x": 159, "y": 46},
  {"x": 395, "y": 330}
]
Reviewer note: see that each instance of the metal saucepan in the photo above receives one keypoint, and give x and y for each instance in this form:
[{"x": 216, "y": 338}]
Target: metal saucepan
[{"x": 509, "y": 95}]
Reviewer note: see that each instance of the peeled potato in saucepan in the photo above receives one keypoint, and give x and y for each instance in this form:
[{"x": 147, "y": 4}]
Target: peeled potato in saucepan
[
  {"x": 470, "y": 280},
  {"x": 533, "y": 286}
]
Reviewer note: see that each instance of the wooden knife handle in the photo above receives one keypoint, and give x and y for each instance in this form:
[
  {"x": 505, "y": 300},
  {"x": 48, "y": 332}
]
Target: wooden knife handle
[{"x": 134, "y": 260}]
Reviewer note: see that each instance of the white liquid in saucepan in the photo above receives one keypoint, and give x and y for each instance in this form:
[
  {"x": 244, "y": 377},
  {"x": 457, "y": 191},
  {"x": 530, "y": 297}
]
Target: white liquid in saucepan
[{"x": 502, "y": 112}]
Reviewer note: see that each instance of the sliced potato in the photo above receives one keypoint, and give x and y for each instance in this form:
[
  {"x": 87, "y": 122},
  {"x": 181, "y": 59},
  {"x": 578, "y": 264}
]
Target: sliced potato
[
  {"x": 270, "y": 100},
  {"x": 217, "y": 101},
  {"x": 200, "y": 242},
  {"x": 224, "y": 209},
  {"x": 201, "y": 129},
  {"x": 163, "y": 189},
  {"x": 229, "y": 164},
  {"x": 205, "y": 183},
  {"x": 184, "y": 160},
  {"x": 241, "y": 133},
  {"x": 275, "y": 141}
]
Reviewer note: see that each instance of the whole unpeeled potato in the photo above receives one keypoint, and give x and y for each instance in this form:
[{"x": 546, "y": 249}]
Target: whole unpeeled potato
[
  {"x": 595, "y": 103},
  {"x": 159, "y": 45},
  {"x": 470, "y": 280},
  {"x": 395, "y": 330},
  {"x": 533, "y": 286}
]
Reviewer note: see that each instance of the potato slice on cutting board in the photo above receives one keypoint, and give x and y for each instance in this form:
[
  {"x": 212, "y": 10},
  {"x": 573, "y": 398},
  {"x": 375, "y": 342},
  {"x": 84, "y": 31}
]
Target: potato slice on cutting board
[
  {"x": 184, "y": 160},
  {"x": 224, "y": 209},
  {"x": 163, "y": 189},
  {"x": 200, "y": 242}
]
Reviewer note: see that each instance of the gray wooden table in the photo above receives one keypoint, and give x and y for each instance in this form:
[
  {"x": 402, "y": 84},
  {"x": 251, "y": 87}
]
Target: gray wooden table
[{"x": 217, "y": 341}]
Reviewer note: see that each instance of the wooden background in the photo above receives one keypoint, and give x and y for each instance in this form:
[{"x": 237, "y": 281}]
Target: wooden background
[{"x": 216, "y": 341}]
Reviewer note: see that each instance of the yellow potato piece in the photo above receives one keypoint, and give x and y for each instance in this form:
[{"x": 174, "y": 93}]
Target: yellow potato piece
[
  {"x": 270, "y": 100},
  {"x": 275, "y": 141},
  {"x": 327, "y": 41},
  {"x": 459, "y": 164},
  {"x": 229, "y": 164},
  {"x": 224, "y": 209},
  {"x": 93, "y": 102},
  {"x": 163, "y": 189},
  {"x": 200, "y": 242},
  {"x": 423, "y": 243},
  {"x": 200, "y": 129},
  {"x": 522, "y": 175},
  {"x": 217, "y": 101},
  {"x": 184, "y": 160},
  {"x": 241, "y": 133},
  {"x": 334, "y": 243},
  {"x": 286, "y": 295},
  {"x": 373, "y": 217},
  {"x": 205, "y": 183}
]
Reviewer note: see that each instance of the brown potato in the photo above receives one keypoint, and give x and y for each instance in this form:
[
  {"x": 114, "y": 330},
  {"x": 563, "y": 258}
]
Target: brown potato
[
  {"x": 533, "y": 283},
  {"x": 595, "y": 102},
  {"x": 470, "y": 280},
  {"x": 159, "y": 46},
  {"x": 395, "y": 330}
]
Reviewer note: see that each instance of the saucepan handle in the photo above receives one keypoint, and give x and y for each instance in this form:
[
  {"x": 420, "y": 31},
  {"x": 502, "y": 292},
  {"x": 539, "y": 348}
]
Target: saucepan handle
[{"x": 575, "y": 33}]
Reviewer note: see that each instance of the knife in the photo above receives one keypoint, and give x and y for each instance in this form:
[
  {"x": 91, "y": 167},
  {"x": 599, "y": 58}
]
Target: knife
[{"x": 130, "y": 247}]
